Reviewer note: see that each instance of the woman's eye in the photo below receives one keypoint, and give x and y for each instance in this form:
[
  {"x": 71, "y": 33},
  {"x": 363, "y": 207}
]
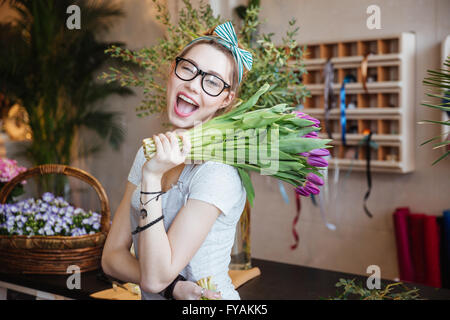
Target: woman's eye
[
  {"x": 212, "y": 83},
  {"x": 188, "y": 69}
]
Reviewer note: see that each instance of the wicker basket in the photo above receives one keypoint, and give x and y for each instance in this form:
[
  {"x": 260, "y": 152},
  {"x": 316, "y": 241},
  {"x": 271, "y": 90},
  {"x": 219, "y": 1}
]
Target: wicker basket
[{"x": 53, "y": 254}]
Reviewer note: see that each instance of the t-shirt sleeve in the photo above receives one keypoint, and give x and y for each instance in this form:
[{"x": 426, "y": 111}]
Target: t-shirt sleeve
[
  {"x": 135, "y": 174},
  {"x": 218, "y": 184}
]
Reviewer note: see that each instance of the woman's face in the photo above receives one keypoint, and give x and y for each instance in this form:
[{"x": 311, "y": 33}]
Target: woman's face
[{"x": 183, "y": 114}]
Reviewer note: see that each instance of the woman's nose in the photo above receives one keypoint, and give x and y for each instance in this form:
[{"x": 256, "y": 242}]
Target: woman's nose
[{"x": 196, "y": 84}]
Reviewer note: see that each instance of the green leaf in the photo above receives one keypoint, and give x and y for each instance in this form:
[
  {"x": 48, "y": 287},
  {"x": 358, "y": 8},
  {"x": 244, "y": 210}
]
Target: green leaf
[
  {"x": 247, "y": 182},
  {"x": 445, "y": 123}
]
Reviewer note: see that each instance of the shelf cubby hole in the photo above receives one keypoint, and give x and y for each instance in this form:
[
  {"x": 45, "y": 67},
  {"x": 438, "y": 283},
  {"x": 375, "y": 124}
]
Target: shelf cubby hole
[
  {"x": 365, "y": 47},
  {"x": 312, "y": 52},
  {"x": 388, "y": 126},
  {"x": 347, "y": 49},
  {"x": 389, "y": 153},
  {"x": 314, "y": 102},
  {"x": 334, "y": 125},
  {"x": 362, "y": 153},
  {"x": 351, "y": 126},
  {"x": 388, "y": 73},
  {"x": 343, "y": 72},
  {"x": 386, "y": 46},
  {"x": 367, "y": 100},
  {"x": 329, "y": 50},
  {"x": 351, "y": 101},
  {"x": 335, "y": 75},
  {"x": 312, "y": 77},
  {"x": 388, "y": 100},
  {"x": 365, "y": 125},
  {"x": 372, "y": 74}
]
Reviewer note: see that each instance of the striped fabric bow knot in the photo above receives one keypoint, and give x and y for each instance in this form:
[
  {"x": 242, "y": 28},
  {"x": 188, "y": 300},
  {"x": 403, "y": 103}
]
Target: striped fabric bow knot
[{"x": 243, "y": 58}]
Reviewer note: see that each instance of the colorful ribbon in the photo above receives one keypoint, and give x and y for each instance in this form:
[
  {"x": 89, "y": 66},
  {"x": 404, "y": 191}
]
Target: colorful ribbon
[
  {"x": 347, "y": 79},
  {"x": 294, "y": 223},
  {"x": 283, "y": 192},
  {"x": 227, "y": 37},
  {"x": 364, "y": 65},
  {"x": 368, "y": 173},
  {"x": 328, "y": 94},
  {"x": 343, "y": 117}
]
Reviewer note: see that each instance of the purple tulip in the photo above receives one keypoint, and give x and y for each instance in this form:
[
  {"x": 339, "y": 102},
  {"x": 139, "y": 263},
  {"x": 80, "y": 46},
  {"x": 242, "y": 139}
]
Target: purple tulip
[
  {"x": 305, "y": 116},
  {"x": 312, "y": 135},
  {"x": 311, "y": 187},
  {"x": 319, "y": 152},
  {"x": 301, "y": 191},
  {"x": 316, "y": 161},
  {"x": 314, "y": 179},
  {"x": 304, "y": 154}
]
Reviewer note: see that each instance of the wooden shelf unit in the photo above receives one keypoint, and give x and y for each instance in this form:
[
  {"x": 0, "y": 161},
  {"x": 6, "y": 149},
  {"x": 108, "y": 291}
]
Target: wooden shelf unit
[{"x": 387, "y": 108}]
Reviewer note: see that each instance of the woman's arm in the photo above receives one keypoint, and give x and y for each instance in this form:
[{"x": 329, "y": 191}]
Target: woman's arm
[
  {"x": 117, "y": 260},
  {"x": 163, "y": 255}
]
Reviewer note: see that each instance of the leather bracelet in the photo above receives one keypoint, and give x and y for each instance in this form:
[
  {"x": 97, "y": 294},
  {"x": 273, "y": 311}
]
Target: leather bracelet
[
  {"x": 168, "y": 293},
  {"x": 139, "y": 229}
]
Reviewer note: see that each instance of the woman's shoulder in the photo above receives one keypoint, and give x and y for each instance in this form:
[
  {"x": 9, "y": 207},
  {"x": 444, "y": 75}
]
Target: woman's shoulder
[
  {"x": 220, "y": 184},
  {"x": 214, "y": 173},
  {"x": 219, "y": 170}
]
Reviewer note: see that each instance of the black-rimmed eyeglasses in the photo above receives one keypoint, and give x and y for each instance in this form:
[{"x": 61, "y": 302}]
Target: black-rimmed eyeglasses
[{"x": 211, "y": 84}]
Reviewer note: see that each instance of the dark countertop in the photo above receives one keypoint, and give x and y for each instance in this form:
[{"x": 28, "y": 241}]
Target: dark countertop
[{"x": 278, "y": 281}]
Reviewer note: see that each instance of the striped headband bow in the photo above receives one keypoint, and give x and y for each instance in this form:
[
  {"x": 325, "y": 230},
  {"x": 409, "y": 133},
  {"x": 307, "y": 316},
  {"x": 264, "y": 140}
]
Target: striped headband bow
[{"x": 227, "y": 38}]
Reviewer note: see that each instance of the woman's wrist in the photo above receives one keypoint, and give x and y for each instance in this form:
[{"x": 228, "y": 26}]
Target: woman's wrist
[{"x": 150, "y": 180}]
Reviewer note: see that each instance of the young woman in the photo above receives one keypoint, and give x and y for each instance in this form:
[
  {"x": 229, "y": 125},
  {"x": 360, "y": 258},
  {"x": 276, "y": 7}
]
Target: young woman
[{"x": 183, "y": 216}]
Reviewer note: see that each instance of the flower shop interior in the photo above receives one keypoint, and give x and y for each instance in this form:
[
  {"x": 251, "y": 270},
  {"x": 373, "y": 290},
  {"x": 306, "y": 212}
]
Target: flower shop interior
[{"x": 370, "y": 72}]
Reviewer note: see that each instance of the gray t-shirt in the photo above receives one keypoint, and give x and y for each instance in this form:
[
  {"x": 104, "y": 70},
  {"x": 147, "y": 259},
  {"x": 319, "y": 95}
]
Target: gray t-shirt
[{"x": 211, "y": 182}]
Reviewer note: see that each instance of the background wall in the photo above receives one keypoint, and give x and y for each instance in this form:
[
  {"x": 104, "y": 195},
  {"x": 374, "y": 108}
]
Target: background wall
[{"x": 358, "y": 240}]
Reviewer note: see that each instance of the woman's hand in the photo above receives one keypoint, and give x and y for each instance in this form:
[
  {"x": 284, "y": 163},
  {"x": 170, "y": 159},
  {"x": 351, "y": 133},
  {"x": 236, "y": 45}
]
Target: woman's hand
[
  {"x": 168, "y": 154},
  {"x": 188, "y": 290}
]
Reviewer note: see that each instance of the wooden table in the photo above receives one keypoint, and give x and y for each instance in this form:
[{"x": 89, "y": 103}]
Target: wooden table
[{"x": 278, "y": 281}]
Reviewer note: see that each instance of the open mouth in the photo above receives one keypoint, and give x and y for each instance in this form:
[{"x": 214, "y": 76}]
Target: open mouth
[{"x": 185, "y": 106}]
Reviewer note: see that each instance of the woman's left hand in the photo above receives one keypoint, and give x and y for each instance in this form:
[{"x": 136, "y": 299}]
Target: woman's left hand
[
  {"x": 168, "y": 154},
  {"x": 188, "y": 290}
]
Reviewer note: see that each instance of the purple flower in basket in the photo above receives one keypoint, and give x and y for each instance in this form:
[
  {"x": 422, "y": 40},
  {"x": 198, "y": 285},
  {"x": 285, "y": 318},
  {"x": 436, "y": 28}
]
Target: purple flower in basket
[
  {"x": 48, "y": 197},
  {"x": 56, "y": 214}
]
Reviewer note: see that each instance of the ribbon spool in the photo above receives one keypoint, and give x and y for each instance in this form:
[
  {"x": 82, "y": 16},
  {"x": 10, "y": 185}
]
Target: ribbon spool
[
  {"x": 367, "y": 140},
  {"x": 348, "y": 78},
  {"x": 364, "y": 65},
  {"x": 328, "y": 72}
]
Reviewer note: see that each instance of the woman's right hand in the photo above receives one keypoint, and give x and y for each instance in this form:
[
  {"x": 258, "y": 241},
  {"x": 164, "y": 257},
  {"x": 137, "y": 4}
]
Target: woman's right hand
[{"x": 188, "y": 290}]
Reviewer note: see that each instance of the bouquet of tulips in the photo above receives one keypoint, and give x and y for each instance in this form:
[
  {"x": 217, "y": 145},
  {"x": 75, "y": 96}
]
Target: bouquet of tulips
[{"x": 274, "y": 140}]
